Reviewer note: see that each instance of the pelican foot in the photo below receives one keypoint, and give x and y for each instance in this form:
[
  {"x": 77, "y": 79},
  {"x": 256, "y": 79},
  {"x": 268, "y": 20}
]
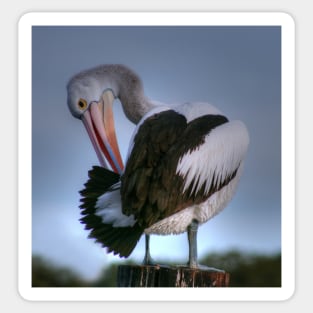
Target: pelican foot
[
  {"x": 204, "y": 268},
  {"x": 149, "y": 261}
]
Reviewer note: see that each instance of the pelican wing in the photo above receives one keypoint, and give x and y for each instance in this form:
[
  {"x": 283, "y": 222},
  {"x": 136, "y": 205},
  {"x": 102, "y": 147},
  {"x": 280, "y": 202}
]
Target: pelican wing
[
  {"x": 213, "y": 163},
  {"x": 153, "y": 139},
  {"x": 120, "y": 240},
  {"x": 175, "y": 164}
]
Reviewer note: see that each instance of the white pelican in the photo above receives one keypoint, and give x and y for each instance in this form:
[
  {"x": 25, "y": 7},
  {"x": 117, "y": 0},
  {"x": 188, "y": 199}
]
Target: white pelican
[{"x": 182, "y": 168}]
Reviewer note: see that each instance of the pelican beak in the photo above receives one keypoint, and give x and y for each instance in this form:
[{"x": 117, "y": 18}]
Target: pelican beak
[{"x": 99, "y": 123}]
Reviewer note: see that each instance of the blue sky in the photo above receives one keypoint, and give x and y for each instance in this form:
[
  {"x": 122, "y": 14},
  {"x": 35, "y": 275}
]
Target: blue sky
[{"x": 237, "y": 69}]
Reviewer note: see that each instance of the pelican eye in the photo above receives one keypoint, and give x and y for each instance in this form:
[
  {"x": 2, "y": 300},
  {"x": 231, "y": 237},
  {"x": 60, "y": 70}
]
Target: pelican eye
[{"x": 82, "y": 104}]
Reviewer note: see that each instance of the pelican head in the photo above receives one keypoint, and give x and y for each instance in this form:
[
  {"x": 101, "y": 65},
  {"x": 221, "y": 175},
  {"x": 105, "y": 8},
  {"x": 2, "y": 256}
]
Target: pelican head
[
  {"x": 91, "y": 94},
  {"x": 90, "y": 99}
]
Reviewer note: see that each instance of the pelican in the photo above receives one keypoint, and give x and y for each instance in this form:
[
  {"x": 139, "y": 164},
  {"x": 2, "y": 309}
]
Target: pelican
[{"x": 183, "y": 164}]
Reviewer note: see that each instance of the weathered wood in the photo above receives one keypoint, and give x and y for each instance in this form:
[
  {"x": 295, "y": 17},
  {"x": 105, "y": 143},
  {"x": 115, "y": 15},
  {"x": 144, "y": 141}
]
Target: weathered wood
[
  {"x": 136, "y": 276},
  {"x": 170, "y": 276}
]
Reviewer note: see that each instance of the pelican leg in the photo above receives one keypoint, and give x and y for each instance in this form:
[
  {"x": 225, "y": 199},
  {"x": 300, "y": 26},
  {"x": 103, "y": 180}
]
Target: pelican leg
[
  {"x": 147, "y": 259},
  {"x": 192, "y": 239}
]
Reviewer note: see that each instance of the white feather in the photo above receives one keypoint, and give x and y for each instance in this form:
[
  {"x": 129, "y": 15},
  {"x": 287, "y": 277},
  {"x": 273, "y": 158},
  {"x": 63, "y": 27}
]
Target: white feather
[
  {"x": 109, "y": 208},
  {"x": 196, "y": 109},
  {"x": 221, "y": 153}
]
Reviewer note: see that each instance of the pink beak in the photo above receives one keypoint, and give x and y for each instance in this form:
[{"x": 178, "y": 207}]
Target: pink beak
[{"x": 99, "y": 123}]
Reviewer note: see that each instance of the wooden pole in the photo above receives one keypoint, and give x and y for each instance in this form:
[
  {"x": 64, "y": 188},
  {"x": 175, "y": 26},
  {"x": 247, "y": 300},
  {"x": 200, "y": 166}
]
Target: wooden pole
[{"x": 169, "y": 276}]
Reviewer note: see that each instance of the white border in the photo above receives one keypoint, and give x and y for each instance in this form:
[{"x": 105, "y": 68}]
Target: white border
[{"x": 288, "y": 155}]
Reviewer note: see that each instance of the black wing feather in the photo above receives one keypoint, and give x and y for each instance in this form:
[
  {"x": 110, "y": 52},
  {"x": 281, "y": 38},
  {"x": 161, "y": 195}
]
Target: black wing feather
[{"x": 119, "y": 240}]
